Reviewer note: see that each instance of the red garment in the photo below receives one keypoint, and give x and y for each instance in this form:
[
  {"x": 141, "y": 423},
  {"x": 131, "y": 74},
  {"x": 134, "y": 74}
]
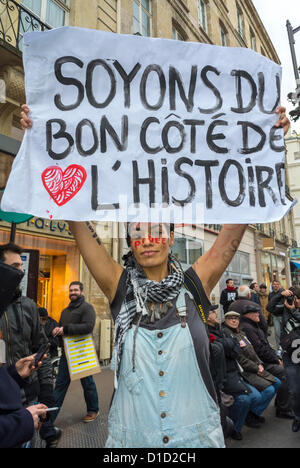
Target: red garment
[{"x": 212, "y": 338}]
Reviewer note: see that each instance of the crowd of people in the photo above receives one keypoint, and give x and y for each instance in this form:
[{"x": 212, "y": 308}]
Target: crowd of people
[{"x": 249, "y": 371}]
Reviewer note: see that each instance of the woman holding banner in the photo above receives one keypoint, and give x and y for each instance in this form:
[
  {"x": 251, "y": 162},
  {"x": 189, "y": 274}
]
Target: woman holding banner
[{"x": 164, "y": 394}]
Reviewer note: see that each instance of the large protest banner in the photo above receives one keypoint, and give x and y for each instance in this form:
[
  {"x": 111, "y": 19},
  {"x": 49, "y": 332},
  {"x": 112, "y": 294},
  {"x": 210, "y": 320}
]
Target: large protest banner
[{"x": 131, "y": 128}]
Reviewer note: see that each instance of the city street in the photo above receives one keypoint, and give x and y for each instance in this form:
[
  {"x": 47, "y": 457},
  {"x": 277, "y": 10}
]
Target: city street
[{"x": 275, "y": 433}]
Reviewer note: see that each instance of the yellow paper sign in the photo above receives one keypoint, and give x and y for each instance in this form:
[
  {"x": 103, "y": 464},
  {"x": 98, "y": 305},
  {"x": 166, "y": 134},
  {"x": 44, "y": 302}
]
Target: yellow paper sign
[{"x": 81, "y": 356}]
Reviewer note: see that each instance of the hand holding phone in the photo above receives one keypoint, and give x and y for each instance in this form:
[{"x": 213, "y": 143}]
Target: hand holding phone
[{"x": 43, "y": 350}]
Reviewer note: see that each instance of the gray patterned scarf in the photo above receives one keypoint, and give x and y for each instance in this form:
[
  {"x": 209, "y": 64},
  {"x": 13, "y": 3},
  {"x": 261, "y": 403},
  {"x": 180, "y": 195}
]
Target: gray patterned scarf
[{"x": 139, "y": 290}]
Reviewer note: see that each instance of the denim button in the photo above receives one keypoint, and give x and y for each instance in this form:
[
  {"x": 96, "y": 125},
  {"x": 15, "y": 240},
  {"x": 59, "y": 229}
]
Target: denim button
[
  {"x": 160, "y": 335},
  {"x": 161, "y": 373},
  {"x": 163, "y": 415},
  {"x": 165, "y": 440},
  {"x": 160, "y": 352},
  {"x": 162, "y": 393}
]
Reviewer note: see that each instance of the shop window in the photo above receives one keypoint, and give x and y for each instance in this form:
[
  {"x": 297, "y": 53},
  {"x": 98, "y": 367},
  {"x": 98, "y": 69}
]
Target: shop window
[
  {"x": 281, "y": 271},
  {"x": 142, "y": 16},
  {"x": 266, "y": 269},
  {"x": 58, "y": 262}
]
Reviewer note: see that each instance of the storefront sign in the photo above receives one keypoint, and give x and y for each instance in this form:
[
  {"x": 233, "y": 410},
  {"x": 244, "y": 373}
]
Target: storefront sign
[
  {"x": 81, "y": 356},
  {"x": 129, "y": 128},
  {"x": 44, "y": 226}
]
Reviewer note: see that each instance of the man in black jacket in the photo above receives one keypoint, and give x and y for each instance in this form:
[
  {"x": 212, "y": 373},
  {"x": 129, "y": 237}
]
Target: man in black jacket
[
  {"x": 17, "y": 423},
  {"x": 250, "y": 325},
  {"x": 23, "y": 334},
  {"x": 274, "y": 298},
  {"x": 228, "y": 295},
  {"x": 77, "y": 319}
]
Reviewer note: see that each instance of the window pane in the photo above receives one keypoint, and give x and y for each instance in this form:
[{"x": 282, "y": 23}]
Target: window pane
[
  {"x": 55, "y": 16},
  {"x": 179, "y": 250},
  {"x": 244, "y": 263},
  {"x": 223, "y": 38},
  {"x": 145, "y": 24},
  {"x": 235, "y": 264},
  {"x": 146, "y": 4},
  {"x": 33, "y": 5},
  {"x": 195, "y": 251},
  {"x": 136, "y": 26},
  {"x": 202, "y": 14},
  {"x": 136, "y": 11}
]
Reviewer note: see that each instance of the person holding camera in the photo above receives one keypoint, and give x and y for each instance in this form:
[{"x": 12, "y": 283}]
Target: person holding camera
[
  {"x": 290, "y": 342},
  {"x": 275, "y": 307}
]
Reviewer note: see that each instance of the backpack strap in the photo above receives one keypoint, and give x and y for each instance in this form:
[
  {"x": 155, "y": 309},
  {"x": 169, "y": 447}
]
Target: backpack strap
[{"x": 197, "y": 294}]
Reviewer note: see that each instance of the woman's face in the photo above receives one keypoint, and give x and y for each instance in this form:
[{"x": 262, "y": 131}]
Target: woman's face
[{"x": 150, "y": 243}]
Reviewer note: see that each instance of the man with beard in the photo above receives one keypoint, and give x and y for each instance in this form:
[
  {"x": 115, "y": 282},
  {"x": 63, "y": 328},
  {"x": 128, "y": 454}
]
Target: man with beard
[
  {"x": 77, "y": 319},
  {"x": 23, "y": 335}
]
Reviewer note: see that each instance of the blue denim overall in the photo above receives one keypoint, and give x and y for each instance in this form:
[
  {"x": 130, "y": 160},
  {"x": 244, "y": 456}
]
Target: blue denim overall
[{"x": 164, "y": 403}]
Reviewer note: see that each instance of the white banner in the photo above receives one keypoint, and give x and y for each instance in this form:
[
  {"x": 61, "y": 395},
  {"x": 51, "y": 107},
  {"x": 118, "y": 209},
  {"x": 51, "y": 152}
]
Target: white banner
[{"x": 129, "y": 128}]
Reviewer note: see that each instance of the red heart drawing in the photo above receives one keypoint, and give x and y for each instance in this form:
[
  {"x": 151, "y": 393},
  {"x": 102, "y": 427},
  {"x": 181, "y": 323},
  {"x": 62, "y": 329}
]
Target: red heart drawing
[{"x": 62, "y": 186}]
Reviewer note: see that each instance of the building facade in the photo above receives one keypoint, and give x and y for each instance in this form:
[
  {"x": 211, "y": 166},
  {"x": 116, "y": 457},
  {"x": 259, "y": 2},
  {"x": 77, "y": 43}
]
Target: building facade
[
  {"x": 292, "y": 141},
  {"x": 232, "y": 23}
]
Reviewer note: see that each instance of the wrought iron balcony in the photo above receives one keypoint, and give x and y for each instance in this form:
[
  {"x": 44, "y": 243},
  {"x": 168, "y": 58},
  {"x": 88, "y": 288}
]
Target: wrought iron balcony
[{"x": 15, "y": 21}]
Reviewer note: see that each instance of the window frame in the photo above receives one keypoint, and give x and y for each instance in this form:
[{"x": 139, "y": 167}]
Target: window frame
[
  {"x": 253, "y": 41},
  {"x": 141, "y": 10},
  {"x": 178, "y": 35},
  {"x": 223, "y": 34},
  {"x": 189, "y": 240},
  {"x": 65, "y": 6},
  {"x": 202, "y": 8},
  {"x": 241, "y": 22}
]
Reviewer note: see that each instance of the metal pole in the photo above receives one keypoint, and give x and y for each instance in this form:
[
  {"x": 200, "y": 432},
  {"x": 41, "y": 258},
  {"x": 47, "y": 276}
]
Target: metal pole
[
  {"x": 291, "y": 33},
  {"x": 13, "y": 233}
]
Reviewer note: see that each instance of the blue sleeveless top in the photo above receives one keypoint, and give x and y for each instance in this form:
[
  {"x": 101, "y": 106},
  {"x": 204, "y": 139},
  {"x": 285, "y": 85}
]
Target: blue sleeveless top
[{"x": 169, "y": 400}]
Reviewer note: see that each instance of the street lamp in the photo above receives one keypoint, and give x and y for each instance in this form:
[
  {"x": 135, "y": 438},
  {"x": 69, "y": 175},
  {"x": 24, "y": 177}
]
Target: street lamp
[{"x": 294, "y": 97}]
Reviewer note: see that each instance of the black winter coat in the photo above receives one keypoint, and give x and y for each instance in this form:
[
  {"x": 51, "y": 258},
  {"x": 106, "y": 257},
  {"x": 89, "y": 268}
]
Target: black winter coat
[
  {"x": 235, "y": 384},
  {"x": 78, "y": 318},
  {"x": 259, "y": 341},
  {"x": 276, "y": 299},
  {"x": 249, "y": 361},
  {"x": 23, "y": 334},
  {"x": 16, "y": 423}
]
